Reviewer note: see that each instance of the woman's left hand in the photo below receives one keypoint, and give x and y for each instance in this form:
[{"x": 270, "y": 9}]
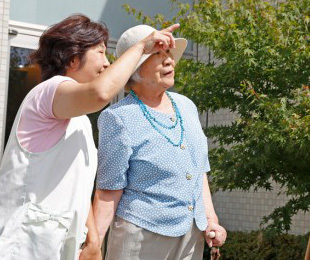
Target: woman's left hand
[
  {"x": 90, "y": 252},
  {"x": 220, "y": 234}
]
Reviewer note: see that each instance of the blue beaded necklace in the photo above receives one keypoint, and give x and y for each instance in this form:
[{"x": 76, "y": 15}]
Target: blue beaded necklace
[{"x": 154, "y": 122}]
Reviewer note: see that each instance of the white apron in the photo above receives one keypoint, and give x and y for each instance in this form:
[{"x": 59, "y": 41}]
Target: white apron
[{"x": 45, "y": 197}]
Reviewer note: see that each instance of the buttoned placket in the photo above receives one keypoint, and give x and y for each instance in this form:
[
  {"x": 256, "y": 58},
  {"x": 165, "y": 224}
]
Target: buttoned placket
[{"x": 189, "y": 177}]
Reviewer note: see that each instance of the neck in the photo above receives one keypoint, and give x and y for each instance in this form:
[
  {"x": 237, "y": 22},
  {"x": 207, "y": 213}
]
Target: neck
[
  {"x": 72, "y": 76},
  {"x": 155, "y": 99},
  {"x": 76, "y": 76},
  {"x": 150, "y": 97}
]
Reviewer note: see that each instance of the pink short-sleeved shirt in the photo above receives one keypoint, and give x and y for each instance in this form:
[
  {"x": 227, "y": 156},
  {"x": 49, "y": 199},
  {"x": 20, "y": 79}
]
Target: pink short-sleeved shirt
[{"x": 38, "y": 129}]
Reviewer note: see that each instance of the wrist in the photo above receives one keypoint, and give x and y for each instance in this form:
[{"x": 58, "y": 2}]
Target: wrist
[
  {"x": 212, "y": 220},
  {"x": 140, "y": 46},
  {"x": 93, "y": 241},
  {"x": 93, "y": 245}
]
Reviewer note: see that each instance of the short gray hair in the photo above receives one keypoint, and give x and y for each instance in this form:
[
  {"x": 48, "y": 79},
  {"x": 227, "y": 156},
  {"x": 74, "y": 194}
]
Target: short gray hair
[{"x": 134, "y": 78}]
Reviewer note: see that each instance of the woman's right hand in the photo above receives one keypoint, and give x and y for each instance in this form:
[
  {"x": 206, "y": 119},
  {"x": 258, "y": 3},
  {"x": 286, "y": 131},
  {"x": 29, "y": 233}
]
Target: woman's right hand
[
  {"x": 159, "y": 40},
  {"x": 220, "y": 234}
]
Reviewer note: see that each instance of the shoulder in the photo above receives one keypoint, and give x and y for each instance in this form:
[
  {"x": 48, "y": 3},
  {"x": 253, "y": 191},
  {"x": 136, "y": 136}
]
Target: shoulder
[
  {"x": 181, "y": 97},
  {"x": 123, "y": 105},
  {"x": 49, "y": 85},
  {"x": 183, "y": 100},
  {"x": 122, "y": 108},
  {"x": 116, "y": 111},
  {"x": 56, "y": 80},
  {"x": 40, "y": 98}
]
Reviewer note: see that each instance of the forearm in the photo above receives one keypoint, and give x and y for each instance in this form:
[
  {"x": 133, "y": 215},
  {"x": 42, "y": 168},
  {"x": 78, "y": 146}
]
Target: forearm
[
  {"x": 207, "y": 200},
  {"x": 92, "y": 234},
  {"x": 105, "y": 205},
  {"x": 114, "y": 78},
  {"x": 213, "y": 222}
]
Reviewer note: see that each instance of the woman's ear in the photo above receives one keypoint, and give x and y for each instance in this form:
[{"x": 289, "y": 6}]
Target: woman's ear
[{"x": 75, "y": 64}]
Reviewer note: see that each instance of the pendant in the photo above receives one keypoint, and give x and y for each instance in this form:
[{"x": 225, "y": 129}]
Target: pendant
[
  {"x": 182, "y": 146},
  {"x": 172, "y": 118}
]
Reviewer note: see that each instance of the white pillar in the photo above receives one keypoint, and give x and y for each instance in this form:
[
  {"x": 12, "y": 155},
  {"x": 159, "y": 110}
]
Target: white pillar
[{"x": 4, "y": 66}]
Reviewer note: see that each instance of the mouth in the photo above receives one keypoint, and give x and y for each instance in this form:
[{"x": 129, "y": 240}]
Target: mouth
[
  {"x": 99, "y": 72},
  {"x": 168, "y": 72}
]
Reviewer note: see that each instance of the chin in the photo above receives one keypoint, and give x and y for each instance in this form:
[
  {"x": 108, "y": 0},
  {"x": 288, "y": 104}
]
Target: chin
[
  {"x": 168, "y": 83},
  {"x": 168, "y": 86}
]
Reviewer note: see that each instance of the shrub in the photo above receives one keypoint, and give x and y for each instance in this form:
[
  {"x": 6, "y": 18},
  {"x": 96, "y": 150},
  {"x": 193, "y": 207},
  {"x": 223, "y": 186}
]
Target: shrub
[{"x": 257, "y": 245}]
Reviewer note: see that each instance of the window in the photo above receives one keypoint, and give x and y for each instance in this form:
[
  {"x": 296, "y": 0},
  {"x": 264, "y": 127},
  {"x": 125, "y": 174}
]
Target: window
[{"x": 23, "y": 76}]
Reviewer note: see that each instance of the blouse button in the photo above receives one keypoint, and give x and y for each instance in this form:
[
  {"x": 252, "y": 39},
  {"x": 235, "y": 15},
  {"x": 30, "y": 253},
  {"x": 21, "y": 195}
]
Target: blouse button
[
  {"x": 188, "y": 176},
  {"x": 190, "y": 208}
]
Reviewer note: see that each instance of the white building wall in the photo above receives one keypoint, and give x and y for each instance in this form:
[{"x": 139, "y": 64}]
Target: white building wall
[
  {"x": 243, "y": 211},
  {"x": 4, "y": 61}
]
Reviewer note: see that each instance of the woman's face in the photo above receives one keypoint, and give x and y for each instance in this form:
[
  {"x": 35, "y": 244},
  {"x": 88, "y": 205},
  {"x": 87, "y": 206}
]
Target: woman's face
[
  {"x": 95, "y": 62},
  {"x": 158, "y": 70}
]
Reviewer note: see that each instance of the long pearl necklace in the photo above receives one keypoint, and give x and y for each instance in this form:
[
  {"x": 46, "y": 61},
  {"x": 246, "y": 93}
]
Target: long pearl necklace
[{"x": 154, "y": 122}]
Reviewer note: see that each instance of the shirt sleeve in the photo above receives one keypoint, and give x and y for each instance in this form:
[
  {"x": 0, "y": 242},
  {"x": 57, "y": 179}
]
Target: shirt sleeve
[
  {"x": 207, "y": 164},
  {"x": 114, "y": 152},
  {"x": 37, "y": 121},
  {"x": 45, "y": 97}
]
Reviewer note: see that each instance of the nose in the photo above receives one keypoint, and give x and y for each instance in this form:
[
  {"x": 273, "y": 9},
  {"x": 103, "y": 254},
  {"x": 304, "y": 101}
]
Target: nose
[
  {"x": 106, "y": 63},
  {"x": 168, "y": 60}
]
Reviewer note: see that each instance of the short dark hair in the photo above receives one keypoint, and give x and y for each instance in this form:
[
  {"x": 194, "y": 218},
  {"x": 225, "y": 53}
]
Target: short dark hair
[{"x": 64, "y": 41}]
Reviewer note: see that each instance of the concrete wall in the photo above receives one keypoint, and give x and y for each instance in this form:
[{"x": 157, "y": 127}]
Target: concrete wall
[{"x": 243, "y": 211}]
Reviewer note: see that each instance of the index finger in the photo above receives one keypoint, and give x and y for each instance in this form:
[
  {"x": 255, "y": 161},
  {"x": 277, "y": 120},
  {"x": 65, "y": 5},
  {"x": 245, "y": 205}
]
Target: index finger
[{"x": 171, "y": 28}]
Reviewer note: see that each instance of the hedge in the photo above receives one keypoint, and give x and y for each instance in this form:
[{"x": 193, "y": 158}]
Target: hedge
[{"x": 256, "y": 245}]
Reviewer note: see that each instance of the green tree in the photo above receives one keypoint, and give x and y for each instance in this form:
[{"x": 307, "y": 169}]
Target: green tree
[{"x": 260, "y": 71}]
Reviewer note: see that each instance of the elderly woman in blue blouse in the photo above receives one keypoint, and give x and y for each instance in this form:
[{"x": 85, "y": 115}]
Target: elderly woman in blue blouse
[{"x": 152, "y": 162}]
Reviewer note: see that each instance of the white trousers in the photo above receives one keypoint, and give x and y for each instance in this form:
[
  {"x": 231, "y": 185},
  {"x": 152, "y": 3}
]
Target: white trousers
[{"x": 129, "y": 242}]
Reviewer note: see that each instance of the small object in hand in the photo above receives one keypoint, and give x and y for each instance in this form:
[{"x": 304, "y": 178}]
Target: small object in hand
[{"x": 211, "y": 234}]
